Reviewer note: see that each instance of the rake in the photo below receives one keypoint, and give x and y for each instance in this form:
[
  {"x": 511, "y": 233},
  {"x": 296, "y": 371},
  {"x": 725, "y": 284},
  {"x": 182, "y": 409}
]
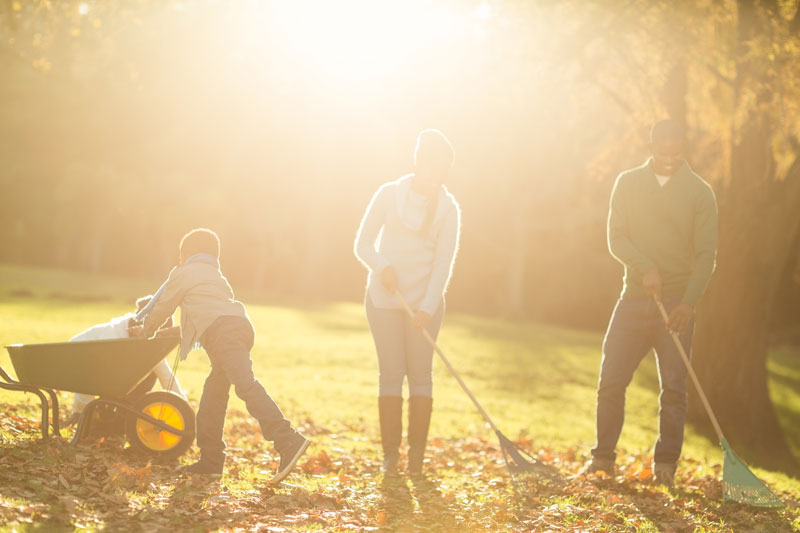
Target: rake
[
  {"x": 739, "y": 484},
  {"x": 518, "y": 461}
]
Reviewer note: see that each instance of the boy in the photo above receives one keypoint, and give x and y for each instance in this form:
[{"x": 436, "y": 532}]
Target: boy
[
  {"x": 117, "y": 328},
  {"x": 210, "y": 316}
]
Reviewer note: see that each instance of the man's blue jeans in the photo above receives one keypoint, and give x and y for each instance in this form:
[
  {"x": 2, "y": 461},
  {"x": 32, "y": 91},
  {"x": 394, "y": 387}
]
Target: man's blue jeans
[
  {"x": 636, "y": 327},
  {"x": 228, "y": 342}
]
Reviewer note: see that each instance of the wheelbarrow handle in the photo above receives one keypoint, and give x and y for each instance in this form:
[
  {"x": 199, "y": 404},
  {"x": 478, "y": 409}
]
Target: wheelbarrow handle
[{"x": 689, "y": 367}]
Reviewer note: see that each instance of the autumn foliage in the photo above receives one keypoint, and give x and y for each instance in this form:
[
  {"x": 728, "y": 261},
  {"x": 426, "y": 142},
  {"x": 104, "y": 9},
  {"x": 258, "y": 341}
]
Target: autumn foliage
[{"x": 338, "y": 488}]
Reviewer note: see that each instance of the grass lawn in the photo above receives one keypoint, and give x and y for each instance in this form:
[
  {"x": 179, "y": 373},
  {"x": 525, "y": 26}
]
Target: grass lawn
[{"x": 318, "y": 362}]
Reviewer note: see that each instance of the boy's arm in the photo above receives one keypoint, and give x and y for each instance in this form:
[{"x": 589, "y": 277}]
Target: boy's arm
[{"x": 171, "y": 295}]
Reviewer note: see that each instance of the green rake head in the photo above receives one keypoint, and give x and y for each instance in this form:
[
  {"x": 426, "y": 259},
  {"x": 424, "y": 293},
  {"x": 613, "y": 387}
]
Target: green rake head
[{"x": 739, "y": 484}]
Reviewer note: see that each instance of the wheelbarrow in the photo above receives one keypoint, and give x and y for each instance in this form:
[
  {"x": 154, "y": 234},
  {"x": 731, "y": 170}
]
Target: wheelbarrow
[{"x": 159, "y": 422}]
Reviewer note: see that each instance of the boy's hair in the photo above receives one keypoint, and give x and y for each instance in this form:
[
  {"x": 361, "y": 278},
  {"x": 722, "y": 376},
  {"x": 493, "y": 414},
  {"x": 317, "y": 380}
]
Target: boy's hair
[{"x": 199, "y": 241}]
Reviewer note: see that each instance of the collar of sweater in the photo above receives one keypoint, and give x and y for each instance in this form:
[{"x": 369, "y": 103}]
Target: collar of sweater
[
  {"x": 683, "y": 170},
  {"x": 401, "y": 199},
  {"x": 202, "y": 258}
]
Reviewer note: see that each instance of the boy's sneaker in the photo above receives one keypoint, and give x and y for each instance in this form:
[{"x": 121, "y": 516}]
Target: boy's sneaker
[
  {"x": 664, "y": 474},
  {"x": 202, "y": 468},
  {"x": 289, "y": 456},
  {"x": 598, "y": 465}
]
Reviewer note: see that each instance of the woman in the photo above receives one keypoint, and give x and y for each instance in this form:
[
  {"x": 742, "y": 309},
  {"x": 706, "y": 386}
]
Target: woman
[{"x": 414, "y": 221}]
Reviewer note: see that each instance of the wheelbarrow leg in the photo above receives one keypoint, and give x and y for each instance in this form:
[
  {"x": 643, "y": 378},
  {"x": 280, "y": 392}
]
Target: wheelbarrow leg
[
  {"x": 54, "y": 409},
  {"x": 9, "y": 383},
  {"x": 23, "y": 388},
  {"x": 84, "y": 423}
]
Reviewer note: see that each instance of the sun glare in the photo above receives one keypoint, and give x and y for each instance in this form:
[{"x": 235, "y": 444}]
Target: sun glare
[
  {"x": 484, "y": 11},
  {"x": 355, "y": 40}
]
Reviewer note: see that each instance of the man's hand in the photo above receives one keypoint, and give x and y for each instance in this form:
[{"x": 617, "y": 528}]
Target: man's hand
[
  {"x": 680, "y": 317},
  {"x": 420, "y": 320},
  {"x": 652, "y": 283},
  {"x": 389, "y": 279},
  {"x": 136, "y": 331}
]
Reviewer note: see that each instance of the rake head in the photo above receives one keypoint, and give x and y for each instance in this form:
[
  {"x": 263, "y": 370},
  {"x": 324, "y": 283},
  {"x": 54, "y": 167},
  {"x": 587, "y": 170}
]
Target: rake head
[
  {"x": 739, "y": 484},
  {"x": 518, "y": 461}
]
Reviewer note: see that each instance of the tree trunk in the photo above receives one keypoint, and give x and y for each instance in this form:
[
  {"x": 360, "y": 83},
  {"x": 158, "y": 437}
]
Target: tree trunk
[
  {"x": 674, "y": 92},
  {"x": 758, "y": 221}
]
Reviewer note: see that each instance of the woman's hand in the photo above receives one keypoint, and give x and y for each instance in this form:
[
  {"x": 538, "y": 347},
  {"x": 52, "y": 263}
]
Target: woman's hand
[
  {"x": 420, "y": 320},
  {"x": 389, "y": 279}
]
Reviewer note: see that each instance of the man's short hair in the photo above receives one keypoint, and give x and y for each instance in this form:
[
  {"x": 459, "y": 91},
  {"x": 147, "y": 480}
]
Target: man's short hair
[
  {"x": 199, "y": 241},
  {"x": 665, "y": 131}
]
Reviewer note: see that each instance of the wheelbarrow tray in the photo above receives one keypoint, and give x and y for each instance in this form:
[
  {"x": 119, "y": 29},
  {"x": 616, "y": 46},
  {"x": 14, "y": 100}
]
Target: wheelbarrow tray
[{"x": 109, "y": 368}]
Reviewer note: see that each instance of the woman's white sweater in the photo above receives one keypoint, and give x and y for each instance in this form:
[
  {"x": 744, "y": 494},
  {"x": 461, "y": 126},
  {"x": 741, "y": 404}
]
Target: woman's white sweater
[{"x": 391, "y": 234}]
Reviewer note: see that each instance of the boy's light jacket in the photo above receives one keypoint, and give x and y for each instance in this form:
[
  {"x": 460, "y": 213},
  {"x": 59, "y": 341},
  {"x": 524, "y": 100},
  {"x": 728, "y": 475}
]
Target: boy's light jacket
[{"x": 204, "y": 295}]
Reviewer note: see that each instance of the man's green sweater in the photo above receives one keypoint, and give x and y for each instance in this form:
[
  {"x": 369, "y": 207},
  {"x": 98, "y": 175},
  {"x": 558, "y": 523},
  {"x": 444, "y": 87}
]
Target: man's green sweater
[{"x": 672, "y": 228}]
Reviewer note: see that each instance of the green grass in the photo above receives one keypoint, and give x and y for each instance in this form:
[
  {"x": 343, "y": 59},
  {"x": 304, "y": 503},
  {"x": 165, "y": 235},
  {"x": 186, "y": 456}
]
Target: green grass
[{"x": 319, "y": 363}]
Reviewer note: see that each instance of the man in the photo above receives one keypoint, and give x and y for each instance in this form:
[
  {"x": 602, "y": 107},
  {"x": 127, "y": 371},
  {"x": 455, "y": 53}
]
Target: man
[{"x": 662, "y": 226}]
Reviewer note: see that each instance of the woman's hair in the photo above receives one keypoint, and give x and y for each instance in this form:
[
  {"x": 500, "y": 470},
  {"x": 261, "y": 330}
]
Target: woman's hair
[
  {"x": 434, "y": 147},
  {"x": 199, "y": 241}
]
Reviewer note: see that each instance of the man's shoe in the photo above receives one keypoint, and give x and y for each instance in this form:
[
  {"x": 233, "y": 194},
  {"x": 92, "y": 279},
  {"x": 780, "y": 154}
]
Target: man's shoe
[
  {"x": 596, "y": 466},
  {"x": 664, "y": 474},
  {"x": 202, "y": 468},
  {"x": 289, "y": 456}
]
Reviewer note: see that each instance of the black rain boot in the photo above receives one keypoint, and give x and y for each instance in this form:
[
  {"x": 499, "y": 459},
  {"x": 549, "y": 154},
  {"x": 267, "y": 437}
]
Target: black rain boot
[
  {"x": 390, "y": 411},
  {"x": 419, "y": 419}
]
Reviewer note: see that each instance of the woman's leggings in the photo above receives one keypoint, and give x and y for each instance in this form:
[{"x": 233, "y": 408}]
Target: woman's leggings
[{"x": 402, "y": 350}]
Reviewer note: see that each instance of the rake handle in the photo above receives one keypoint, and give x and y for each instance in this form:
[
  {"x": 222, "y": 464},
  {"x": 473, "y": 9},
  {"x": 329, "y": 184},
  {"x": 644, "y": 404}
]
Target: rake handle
[
  {"x": 446, "y": 362},
  {"x": 689, "y": 367}
]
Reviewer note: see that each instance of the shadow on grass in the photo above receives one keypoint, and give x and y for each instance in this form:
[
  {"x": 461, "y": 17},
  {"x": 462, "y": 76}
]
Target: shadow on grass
[
  {"x": 185, "y": 510},
  {"x": 435, "y": 511},
  {"x": 99, "y": 485},
  {"x": 415, "y": 504},
  {"x": 396, "y": 504},
  {"x": 29, "y": 471}
]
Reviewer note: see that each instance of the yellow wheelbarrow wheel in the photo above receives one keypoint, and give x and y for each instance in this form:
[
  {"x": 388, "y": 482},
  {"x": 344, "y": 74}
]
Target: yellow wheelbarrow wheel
[{"x": 169, "y": 408}]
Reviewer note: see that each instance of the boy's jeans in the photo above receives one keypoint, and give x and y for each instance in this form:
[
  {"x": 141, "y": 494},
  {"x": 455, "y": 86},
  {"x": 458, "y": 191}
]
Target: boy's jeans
[
  {"x": 228, "y": 342},
  {"x": 636, "y": 326}
]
